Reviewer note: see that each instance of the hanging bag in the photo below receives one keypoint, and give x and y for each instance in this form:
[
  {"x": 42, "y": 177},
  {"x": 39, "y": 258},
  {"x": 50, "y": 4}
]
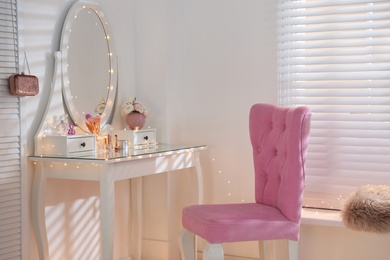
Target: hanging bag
[{"x": 21, "y": 84}]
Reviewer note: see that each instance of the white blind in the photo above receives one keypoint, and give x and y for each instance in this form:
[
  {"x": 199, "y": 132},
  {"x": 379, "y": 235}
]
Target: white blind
[
  {"x": 334, "y": 56},
  {"x": 10, "y": 174}
]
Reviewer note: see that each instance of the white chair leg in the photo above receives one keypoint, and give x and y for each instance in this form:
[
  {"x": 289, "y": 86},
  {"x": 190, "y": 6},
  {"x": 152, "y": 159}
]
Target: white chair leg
[
  {"x": 293, "y": 250},
  {"x": 213, "y": 252},
  {"x": 187, "y": 244}
]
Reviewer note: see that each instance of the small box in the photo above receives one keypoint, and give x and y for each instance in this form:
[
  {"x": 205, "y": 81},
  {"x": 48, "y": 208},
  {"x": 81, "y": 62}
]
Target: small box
[
  {"x": 137, "y": 139},
  {"x": 68, "y": 145}
]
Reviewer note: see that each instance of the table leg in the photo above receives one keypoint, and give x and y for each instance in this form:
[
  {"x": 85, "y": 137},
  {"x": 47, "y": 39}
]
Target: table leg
[
  {"x": 199, "y": 176},
  {"x": 38, "y": 211},
  {"x": 136, "y": 217},
  {"x": 107, "y": 213}
]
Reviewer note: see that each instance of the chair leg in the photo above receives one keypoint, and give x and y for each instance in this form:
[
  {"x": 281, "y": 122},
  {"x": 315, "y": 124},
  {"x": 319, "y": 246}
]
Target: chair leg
[
  {"x": 187, "y": 244},
  {"x": 293, "y": 250},
  {"x": 213, "y": 252}
]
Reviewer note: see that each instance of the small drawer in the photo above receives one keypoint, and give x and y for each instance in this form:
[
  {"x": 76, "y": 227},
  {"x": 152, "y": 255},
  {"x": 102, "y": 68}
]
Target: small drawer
[
  {"x": 146, "y": 137},
  {"x": 81, "y": 144},
  {"x": 136, "y": 138},
  {"x": 68, "y": 145}
]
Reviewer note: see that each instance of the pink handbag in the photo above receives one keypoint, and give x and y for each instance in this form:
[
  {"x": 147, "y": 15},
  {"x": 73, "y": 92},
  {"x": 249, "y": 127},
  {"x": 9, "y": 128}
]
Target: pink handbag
[{"x": 23, "y": 85}]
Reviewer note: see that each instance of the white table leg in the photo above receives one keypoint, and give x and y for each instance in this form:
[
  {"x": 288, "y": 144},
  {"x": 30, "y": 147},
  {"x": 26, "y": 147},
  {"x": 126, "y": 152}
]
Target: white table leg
[
  {"x": 199, "y": 175},
  {"x": 38, "y": 211},
  {"x": 136, "y": 217},
  {"x": 107, "y": 213}
]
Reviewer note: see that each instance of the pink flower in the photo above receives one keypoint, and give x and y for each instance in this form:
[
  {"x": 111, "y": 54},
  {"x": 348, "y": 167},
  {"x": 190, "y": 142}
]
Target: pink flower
[{"x": 131, "y": 106}]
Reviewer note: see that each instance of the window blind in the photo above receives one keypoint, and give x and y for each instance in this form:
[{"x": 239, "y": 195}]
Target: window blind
[
  {"x": 10, "y": 173},
  {"x": 334, "y": 56}
]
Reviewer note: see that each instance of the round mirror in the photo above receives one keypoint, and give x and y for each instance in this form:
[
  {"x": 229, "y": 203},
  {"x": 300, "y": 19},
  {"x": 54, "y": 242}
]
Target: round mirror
[{"x": 88, "y": 73}]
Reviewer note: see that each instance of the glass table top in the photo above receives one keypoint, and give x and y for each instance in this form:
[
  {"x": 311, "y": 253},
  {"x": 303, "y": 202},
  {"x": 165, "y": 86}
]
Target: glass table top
[{"x": 125, "y": 154}]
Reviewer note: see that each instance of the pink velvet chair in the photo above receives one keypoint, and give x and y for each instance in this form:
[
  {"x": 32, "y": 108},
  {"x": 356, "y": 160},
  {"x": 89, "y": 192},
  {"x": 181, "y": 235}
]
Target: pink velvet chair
[{"x": 279, "y": 137}]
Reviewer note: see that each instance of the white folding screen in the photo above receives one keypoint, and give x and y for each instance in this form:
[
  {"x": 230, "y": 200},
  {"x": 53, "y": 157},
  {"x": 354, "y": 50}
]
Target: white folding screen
[
  {"x": 10, "y": 173},
  {"x": 334, "y": 56}
]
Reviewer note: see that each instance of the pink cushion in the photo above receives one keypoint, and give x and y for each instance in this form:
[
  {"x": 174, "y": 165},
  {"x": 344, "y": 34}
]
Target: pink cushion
[{"x": 218, "y": 223}]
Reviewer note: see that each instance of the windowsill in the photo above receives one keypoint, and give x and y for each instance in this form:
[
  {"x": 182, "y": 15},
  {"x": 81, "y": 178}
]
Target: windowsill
[{"x": 321, "y": 217}]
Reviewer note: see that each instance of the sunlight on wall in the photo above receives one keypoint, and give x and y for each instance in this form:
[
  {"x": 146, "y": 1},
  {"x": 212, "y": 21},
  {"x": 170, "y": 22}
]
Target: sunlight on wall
[
  {"x": 80, "y": 220},
  {"x": 73, "y": 219}
]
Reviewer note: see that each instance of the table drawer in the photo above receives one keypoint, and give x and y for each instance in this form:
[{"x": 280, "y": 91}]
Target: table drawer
[
  {"x": 68, "y": 145},
  {"x": 81, "y": 144},
  {"x": 137, "y": 138}
]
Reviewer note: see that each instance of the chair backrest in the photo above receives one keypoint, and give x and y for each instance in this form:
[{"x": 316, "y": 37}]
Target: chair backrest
[{"x": 279, "y": 137}]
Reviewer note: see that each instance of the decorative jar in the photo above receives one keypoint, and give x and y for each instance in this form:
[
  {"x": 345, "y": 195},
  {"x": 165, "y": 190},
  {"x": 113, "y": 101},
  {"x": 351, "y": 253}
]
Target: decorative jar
[{"x": 135, "y": 120}]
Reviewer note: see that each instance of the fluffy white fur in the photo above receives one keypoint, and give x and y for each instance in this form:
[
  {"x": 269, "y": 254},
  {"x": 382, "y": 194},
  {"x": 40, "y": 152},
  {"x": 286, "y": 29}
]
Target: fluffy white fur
[{"x": 368, "y": 209}]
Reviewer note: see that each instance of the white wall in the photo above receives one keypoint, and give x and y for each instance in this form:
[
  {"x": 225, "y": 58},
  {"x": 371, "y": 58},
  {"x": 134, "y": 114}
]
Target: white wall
[
  {"x": 210, "y": 61},
  {"x": 199, "y": 65}
]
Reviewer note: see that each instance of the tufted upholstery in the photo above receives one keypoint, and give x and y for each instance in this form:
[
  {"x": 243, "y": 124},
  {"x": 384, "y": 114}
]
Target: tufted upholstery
[{"x": 279, "y": 137}]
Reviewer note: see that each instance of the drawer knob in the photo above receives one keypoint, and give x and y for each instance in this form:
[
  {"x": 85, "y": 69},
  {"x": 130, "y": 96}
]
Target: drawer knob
[
  {"x": 146, "y": 138},
  {"x": 83, "y": 144}
]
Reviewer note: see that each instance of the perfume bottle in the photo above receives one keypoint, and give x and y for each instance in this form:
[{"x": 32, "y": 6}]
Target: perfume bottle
[
  {"x": 71, "y": 130},
  {"x": 63, "y": 125}
]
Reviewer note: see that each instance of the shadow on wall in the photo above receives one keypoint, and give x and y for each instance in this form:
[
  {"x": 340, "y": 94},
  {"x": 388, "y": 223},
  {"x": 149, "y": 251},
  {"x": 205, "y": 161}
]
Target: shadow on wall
[{"x": 73, "y": 222}]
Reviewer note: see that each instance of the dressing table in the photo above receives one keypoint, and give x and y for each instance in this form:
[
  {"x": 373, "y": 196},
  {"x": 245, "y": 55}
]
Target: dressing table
[
  {"x": 107, "y": 169},
  {"x": 58, "y": 155}
]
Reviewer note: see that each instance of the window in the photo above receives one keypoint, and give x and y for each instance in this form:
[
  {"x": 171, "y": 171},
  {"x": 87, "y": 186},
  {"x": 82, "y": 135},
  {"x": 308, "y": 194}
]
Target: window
[
  {"x": 334, "y": 56},
  {"x": 10, "y": 173}
]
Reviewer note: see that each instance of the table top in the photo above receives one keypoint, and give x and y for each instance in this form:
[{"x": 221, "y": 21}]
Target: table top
[{"x": 109, "y": 156}]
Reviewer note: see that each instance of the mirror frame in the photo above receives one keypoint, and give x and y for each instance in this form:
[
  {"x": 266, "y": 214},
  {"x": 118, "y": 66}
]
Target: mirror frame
[{"x": 76, "y": 116}]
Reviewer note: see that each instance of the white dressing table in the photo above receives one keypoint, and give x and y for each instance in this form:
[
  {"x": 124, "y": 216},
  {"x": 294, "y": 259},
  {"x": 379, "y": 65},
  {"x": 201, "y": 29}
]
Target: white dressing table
[
  {"x": 107, "y": 168},
  {"x": 58, "y": 155}
]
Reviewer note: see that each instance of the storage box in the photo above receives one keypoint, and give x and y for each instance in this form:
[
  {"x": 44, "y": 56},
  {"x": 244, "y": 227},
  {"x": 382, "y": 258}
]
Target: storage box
[
  {"x": 68, "y": 145},
  {"x": 137, "y": 139}
]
